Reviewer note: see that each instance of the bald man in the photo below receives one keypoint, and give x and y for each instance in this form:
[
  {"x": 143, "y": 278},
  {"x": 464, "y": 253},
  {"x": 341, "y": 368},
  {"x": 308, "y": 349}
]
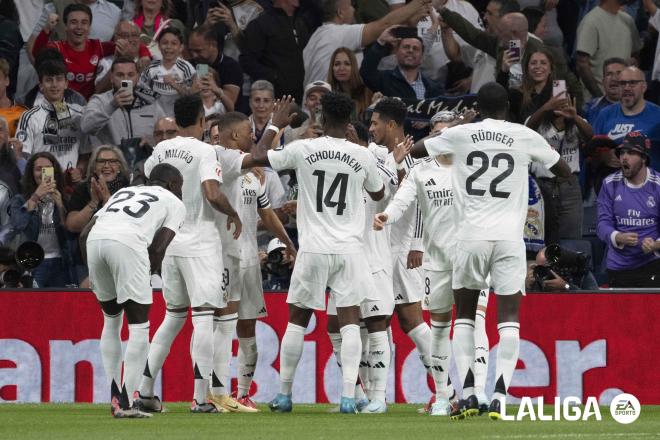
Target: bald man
[
  {"x": 512, "y": 26},
  {"x": 164, "y": 128}
]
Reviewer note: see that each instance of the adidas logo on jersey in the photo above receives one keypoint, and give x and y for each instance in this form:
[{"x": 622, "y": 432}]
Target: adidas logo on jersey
[
  {"x": 618, "y": 198},
  {"x": 374, "y": 309},
  {"x": 399, "y": 297},
  {"x": 430, "y": 182}
]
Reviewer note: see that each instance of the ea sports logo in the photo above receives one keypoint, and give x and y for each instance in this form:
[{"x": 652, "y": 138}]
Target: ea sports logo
[{"x": 625, "y": 408}]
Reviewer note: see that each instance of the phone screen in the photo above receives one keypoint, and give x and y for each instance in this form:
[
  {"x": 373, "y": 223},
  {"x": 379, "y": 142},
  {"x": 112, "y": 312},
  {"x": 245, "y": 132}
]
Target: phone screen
[{"x": 202, "y": 70}]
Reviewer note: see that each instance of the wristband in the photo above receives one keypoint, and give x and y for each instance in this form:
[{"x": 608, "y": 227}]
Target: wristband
[
  {"x": 272, "y": 127},
  {"x": 401, "y": 166}
]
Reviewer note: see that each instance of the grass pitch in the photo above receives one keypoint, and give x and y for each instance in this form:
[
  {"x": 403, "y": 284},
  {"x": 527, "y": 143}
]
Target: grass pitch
[{"x": 86, "y": 421}]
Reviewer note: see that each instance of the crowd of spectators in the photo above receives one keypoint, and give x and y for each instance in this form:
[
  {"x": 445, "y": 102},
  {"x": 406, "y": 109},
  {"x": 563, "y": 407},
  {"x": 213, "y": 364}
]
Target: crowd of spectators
[{"x": 87, "y": 88}]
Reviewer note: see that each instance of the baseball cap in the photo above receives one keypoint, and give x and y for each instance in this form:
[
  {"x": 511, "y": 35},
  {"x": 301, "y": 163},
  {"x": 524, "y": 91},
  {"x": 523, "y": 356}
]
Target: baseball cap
[
  {"x": 275, "y": 244},
  {"x": 316, "y": 85},
  {"x": 635, "y": 141}
]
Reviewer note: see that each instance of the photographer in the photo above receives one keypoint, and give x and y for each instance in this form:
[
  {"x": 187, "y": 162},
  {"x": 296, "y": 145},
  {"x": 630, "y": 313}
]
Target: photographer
[
  {"x": 558, "y": 269},
  {"x": 275, "y": 266},
  {"x": 16, "y": 267},
  {"x": 121, "y": 116}
]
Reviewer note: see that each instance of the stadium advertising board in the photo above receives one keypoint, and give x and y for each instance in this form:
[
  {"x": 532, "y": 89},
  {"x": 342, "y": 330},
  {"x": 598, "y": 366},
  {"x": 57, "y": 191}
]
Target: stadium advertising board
[{"x": 581, "y": 345}]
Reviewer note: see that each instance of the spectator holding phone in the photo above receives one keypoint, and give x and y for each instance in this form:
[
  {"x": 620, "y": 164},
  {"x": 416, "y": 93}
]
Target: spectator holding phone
[
  {"x": 38, "y": 214},
  {"x": 122, "y": 114},
  {"x": 171, "y": 76}
]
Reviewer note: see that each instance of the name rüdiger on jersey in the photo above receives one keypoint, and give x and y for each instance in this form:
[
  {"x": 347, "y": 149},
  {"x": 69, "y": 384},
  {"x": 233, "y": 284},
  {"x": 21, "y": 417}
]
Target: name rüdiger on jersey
[{"x": 483, "y": 135}]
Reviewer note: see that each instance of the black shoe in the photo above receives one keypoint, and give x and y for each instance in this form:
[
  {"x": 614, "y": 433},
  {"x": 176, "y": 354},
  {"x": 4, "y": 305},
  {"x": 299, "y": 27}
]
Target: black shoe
[
  {"x": 466, "y": 408},
  {"x": 494, "y": 410},
  {"x": 483, "y": 409}
]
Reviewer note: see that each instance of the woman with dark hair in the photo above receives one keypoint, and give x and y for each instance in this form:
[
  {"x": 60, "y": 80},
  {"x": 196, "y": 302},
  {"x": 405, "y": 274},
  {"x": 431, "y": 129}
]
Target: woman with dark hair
[
  {"x": 38, "y": 213},
  {"x": 556, "y": 119},
  {"x": 344, "y": 77}
]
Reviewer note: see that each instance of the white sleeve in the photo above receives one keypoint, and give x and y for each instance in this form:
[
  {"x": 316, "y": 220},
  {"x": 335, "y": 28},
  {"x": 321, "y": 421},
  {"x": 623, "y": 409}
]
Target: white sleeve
[
  {"x": 286, "y": 158},
  {"x": 351, "y": 36},
  {"x": 406, "y": 195},
  {"x": 373, "y": 182},
  {"x": 209, "y": 167},
  {"x": 417, "y": 242},
  {"x": 150, "y": 163},
  {"x": 175, "y": 215},
  {"x": 441, "y": 144},
  {"x": 275, "y": 190},
  {"x": 655, "y": 20},
  {"x": 540, "y": 151},
  {"x": 231, "y": 162}
]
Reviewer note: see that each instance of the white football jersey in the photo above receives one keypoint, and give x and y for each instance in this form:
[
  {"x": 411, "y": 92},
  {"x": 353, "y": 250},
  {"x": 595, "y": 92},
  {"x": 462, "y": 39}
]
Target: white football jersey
[
  {"x": 331, "y": 173},
  {"x": 153, "y": 77},
  {"x": 429, "y": 186},
  {"x": 231, "y": 162},
  {"x": 491, "y": 160},
  {"x": 197, "y": 162},
  {"x": 252, "y": 197},
  {"x": 377, "y": 243},
  {"x": 133, "y": 215}
]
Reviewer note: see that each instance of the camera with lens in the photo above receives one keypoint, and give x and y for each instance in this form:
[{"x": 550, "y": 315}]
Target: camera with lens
[
  {"x": 275, "y": 263},
  {"x": 564, "y": 262},
  {"x": 20, "y": 264}
]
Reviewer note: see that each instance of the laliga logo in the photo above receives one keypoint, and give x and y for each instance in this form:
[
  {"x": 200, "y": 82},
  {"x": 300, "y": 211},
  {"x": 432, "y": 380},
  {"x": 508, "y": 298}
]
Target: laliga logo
[
  {"x": 625, "y": 408},
  {"x": 569, "y": 409}
]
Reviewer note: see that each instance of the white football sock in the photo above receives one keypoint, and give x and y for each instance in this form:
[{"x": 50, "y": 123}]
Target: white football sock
[
  {"x": 421, "y": 336},
  {"x": 363, "y": 372},
  {"x": 335, "y": 340},
  {"x": 481, "y": 351},
  {"x": 441, "y": 357},
  {"x": 290, "y": 353},
  {"x": 464, "y": 354},
  {"x": 202, "y": 352},
  {"x": 160, "y": 348},
  {"x": 137, "y": 350},
  {"x": 223, "y": 336},
  {"x": 379, "y": 362},
  {"x": 507, "y": 357},
  {"x": 111, "y": 347},
  {"x": 351, "y": 350},
  {"x": 247, "y": 364}
]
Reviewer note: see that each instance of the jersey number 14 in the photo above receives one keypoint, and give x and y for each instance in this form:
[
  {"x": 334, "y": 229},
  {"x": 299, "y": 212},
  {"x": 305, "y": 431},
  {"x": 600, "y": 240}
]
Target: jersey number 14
[{"x": 340, "y": 182}]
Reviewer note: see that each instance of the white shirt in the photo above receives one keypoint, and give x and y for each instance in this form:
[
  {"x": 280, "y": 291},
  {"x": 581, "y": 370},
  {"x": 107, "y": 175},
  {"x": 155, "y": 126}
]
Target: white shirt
[
  {"x": 568, "y": 148},
  {"x": 490, "y": 184},
  {"x": 231, "y": 162},
  {"x": 377, "y": 243},
  {"x": 133, "y": 215},
  {"x": 323, "y": 42},
  {"x": 253, "y": 196},
  {"x": 429, "y": 186},
  {"x": 331, "y": 173},
  {"x": 483, "y": 70},
  {"x": 153, "y": 78},
  {"x": 198, "y": 163},
  {"x": 436, "y": 57},
  {"x": 41, "y": 129}
]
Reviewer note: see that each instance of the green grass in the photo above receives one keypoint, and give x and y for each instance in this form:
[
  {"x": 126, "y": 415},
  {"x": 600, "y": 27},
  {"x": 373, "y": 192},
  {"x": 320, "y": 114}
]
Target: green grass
[{"x": 86, "y": 421}]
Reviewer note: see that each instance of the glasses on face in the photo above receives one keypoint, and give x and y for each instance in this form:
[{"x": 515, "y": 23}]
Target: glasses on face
[
  {"x": 166, "y": 133},
  {"x": 104, "y": 162},
  {"x": 128, "y": 35},
  {"x": 632, "y": 82}
]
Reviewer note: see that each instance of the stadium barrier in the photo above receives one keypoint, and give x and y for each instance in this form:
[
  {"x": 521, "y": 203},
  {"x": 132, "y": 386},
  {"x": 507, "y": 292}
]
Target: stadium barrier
[{"x": 586, "y": 344}]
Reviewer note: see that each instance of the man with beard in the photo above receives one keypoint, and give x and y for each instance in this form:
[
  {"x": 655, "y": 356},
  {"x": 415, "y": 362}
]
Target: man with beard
[
  {"x": 628, "y": 217},
  {"x": 612, "y": 68},
  {"x": 633, "y": 113}
]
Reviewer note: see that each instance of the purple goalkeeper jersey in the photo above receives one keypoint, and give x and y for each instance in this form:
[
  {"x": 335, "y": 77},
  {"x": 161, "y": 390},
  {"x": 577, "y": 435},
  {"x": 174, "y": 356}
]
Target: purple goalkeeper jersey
[{"x": 626, "y": 208}]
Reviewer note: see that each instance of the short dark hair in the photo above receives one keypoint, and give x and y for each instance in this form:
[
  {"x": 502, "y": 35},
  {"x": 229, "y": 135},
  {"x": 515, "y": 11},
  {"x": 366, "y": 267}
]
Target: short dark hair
[
  {"x": 230, "y": 119},
  {"x": 164, "y": 173},
  {"x": 122, "y": 60},
  {"x": 76, "y": 7},
  {"x": 188, "y": 110},
  {"x": 392, "y": 109},
  {"x": 47, "y": 54},
  {"x": 207, "y": 32},
  {"x": 171, "y": 30},
  {"x": 51, "y": 68},
  {"x": 337, "y": 108},
  {"x": 328, "y": 9},
  {"x": 362, "y": 130},
  {"x": 508, "y": 6},
  {"x": 492, "y": 99},
  {"x": 614, "y": 60}
]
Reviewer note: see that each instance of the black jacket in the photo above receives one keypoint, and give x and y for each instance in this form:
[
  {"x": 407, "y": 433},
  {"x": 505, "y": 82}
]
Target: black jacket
[{"x": 272, "y": 50}]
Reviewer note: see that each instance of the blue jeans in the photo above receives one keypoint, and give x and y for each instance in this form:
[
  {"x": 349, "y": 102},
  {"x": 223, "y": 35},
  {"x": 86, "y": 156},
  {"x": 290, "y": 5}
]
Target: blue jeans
[{"x": 52, "y": 272}]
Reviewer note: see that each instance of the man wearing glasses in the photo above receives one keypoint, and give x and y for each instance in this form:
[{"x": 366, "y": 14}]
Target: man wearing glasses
[{"x": 632, "y": 113}]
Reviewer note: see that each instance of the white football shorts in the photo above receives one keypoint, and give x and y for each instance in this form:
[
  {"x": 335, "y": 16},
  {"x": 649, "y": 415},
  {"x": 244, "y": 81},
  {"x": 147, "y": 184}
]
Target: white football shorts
[
  {"x": 231, "y": 278},
  {"x": 438, "y": 294},
  {"x": 347, "y": 275},
  {"x": 408, "y": 283},
  {"x": 118, "y": 271},
  {"x": 504, "y": 260},
  {"x": 252, "y": 305},
  {"x": 382, "y": 305},
  {"x": 193, "y": 281}
]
